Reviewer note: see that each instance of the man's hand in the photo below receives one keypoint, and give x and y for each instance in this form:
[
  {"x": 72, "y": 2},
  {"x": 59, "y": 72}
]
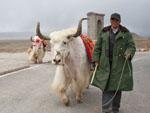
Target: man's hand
[
  {"x": 127, "y": 56},
  {"x": 97, "y": 63}
]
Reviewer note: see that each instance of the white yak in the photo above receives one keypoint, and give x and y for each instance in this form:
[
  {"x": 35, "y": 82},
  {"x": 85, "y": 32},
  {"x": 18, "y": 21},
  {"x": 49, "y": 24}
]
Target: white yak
[
  {"x": 73, "y": 68},
  {"x": 37, "y": 50}
]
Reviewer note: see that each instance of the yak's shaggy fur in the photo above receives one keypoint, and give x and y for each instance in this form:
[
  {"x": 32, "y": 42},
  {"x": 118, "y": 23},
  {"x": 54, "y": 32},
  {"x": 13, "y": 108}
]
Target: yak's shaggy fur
[
  {"x": 36, "y": 52},
  {"x": 73, "y": 68}
]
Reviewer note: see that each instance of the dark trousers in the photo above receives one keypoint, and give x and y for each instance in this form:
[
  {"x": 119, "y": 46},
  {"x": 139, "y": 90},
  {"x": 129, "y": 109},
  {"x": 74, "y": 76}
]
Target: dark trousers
[
  {"x": 109, "y": 104},
  {"x": 115, "y": 103}
]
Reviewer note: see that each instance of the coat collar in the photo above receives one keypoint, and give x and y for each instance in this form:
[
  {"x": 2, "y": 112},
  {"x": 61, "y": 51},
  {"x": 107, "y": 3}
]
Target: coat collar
[{"x": 122, "y": 30}]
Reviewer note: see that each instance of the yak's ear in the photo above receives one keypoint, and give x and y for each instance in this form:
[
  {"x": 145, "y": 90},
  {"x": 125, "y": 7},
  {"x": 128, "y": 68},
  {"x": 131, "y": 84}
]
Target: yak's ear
[{"x": 31, "y": 39}]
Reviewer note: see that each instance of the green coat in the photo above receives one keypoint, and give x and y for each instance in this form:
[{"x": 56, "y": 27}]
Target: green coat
[{"x": 106, "y": 78}]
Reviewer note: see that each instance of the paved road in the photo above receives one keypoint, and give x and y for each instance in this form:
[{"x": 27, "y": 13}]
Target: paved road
[
  {"x": 138, "y": 101},
  {"x": 28, "y": 91}
]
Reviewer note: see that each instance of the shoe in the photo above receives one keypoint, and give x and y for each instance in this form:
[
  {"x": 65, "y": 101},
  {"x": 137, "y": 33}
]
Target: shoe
[{"x": 115, "y": 112}]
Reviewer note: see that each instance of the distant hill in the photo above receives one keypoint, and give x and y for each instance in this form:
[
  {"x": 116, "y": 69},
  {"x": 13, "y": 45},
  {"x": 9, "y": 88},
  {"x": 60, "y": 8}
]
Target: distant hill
[
  {"x": 141, "y": 42},
  {"x": 15, "y": 35},
  {"x": 136, "y": 36}
]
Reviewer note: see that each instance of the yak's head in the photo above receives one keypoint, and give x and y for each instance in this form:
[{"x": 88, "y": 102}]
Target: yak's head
[
  {"x": 39, "y": 41},
  {"x": 37, "y": 45},
  {"x": 60, "y": 42}
]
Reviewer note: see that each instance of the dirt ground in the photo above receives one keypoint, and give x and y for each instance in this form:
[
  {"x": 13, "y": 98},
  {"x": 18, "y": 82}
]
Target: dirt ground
[{"x": 13, "y": 46}]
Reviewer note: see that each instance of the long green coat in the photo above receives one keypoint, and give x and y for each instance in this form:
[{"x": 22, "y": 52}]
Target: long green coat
[{"x": 108, "y": 79}]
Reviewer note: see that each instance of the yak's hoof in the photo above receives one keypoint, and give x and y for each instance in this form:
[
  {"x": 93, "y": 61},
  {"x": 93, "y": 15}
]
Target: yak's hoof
[
  {"x": 79, "y": 101},
  {"x": 66, "y": 102},
  {"x": 87, "y": 87}
]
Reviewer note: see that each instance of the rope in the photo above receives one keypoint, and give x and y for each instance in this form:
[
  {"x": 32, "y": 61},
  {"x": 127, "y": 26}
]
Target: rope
[{"x": 118, "y": 83}]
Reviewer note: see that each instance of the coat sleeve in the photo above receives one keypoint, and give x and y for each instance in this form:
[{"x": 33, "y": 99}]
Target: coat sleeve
[
  {"x": 97, "y": 48},
  {"x": 130, "y": 45}
]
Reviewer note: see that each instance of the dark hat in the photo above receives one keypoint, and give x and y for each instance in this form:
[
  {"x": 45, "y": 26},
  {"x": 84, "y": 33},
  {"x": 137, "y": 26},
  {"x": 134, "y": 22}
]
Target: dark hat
[{"x": 116, "y": 16}]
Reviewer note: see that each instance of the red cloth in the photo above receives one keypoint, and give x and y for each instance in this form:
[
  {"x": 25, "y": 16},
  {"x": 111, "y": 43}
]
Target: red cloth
[
  {"x": 89, "y": 45},
  {"x": 37, "y": 41}
]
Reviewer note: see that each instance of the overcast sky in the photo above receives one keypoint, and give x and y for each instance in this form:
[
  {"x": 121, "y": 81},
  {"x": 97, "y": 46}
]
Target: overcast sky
[{"x": 22, "y": 15}]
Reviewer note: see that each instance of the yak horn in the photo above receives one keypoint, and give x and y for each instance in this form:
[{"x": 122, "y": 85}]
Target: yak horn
[
  {"x": 79, "y": 29},
  {"x": 38, "y": 32}
]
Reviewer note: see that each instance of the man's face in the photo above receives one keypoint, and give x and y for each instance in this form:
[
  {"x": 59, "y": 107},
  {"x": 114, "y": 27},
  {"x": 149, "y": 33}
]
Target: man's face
[{"x": 114, "y": 23}]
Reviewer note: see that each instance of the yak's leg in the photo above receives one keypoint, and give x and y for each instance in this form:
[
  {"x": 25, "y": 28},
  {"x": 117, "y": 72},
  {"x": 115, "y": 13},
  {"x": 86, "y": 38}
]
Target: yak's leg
[
  {"x": 79, "y": 96},
  {"x": 35, "y": 61},
  {"x": 40, "y": 58},
  {"x": 78, "y": 91},
  {"x": 63, "y": 96},
  {"x": 61, "y": 84},
  {"x": 40, "y": 61}
]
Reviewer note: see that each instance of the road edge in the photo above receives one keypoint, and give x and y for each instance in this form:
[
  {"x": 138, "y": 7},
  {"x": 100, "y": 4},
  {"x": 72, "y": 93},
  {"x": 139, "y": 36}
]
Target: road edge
[{"x": 13, "y": 70}]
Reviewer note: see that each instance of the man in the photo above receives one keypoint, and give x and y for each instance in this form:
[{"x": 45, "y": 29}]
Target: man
[{"x": 113, "y": 53}]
